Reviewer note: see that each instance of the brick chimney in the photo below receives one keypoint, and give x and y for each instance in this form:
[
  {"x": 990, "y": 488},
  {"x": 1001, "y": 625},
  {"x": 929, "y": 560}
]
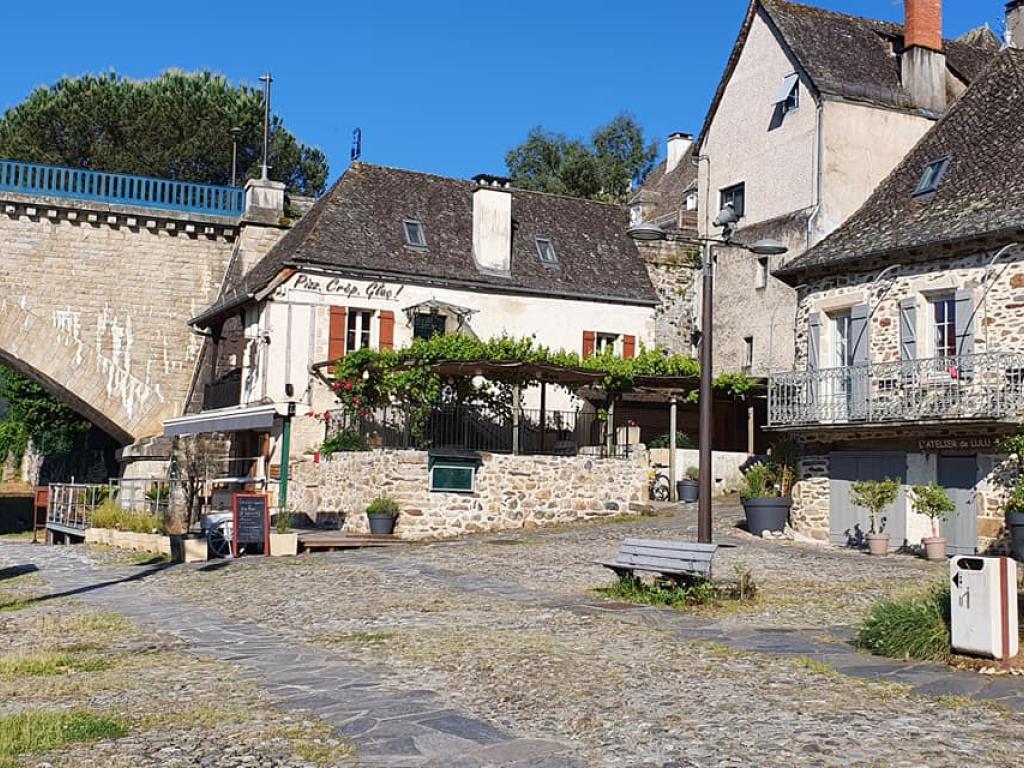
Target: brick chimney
[
  {"x": 1015, "y": 24},
  {"x": 924, "y": 63}
]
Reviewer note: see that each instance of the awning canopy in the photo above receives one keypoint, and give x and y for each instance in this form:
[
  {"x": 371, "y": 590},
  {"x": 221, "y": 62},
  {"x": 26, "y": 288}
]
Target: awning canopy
[{"x": 234, "y": 419}]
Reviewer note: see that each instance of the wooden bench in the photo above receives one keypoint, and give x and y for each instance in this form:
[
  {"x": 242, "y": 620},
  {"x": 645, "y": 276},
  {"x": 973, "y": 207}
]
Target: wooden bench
[{"x": 674, "y": 560}]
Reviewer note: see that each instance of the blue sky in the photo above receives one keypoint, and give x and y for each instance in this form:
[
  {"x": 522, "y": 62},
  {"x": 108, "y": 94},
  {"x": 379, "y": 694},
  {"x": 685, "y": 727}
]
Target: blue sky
[{"x": 435, "y": 85}]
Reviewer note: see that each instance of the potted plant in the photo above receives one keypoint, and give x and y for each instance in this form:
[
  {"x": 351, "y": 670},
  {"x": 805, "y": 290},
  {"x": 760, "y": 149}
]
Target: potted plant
[
  {"x": 875, "y": 496},
  {"x": 1014, "y": 510},
  {"x": 283, "y": 540},
  {"x": 764, "y": 503},
  {"x": 933, "y": 502},
  {"x": 688, "y": 489},
  {"x": 382, "y": 513}
]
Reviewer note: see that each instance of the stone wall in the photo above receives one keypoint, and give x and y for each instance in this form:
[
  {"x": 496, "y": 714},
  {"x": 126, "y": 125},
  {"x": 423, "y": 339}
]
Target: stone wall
[
  {"x": 671, "y": 269},
  {"x": 810, "y": 512},
  {"x": 511, "y": 491}
]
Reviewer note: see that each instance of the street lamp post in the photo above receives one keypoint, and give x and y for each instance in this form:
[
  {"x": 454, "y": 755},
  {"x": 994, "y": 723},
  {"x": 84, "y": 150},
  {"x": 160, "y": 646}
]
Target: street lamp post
[{"x": 726, "y": 220}]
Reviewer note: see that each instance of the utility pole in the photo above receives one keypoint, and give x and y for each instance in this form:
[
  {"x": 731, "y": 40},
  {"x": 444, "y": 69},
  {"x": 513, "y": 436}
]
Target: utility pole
[
  {"x": 235, "y": 133},
  {"x": 706, "y": 412}
]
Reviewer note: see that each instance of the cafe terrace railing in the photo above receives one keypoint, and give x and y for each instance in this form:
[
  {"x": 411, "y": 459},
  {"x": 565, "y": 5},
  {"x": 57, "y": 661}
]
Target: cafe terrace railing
[
  {"x": 120, "y": 189},
  {"x": 986, "y": 387}
]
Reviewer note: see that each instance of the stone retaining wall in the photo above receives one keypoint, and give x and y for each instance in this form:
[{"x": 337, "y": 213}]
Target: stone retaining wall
[{"x": 511, "y": 491}]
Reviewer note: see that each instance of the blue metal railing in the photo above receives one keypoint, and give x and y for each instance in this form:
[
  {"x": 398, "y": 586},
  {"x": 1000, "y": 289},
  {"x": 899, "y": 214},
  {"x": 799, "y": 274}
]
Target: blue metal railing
[{"x": 120, "y": 189}]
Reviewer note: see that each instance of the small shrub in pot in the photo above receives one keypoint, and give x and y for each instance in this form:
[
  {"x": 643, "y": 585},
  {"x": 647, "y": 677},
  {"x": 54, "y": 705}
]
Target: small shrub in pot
[
  {"x": 382, "y": 513},
  {"x": 764, "y": 504},
  {"x": 875, "y": 496},
  {"x": 933, "y": 502},
  {"x": 688, "y": 489}
]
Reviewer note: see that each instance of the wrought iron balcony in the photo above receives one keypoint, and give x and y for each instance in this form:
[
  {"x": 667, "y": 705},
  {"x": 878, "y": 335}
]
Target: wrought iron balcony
[
  {"x": 985, "y": 387},
  {"x": 120, "y": 189}
]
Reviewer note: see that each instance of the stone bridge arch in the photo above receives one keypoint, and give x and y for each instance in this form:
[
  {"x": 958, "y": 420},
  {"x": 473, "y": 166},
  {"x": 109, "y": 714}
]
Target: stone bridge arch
[{"x": 118, "y": 403}]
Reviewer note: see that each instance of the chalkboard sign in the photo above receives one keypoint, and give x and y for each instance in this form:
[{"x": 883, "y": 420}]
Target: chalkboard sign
[{"x": 251, "y": 520}]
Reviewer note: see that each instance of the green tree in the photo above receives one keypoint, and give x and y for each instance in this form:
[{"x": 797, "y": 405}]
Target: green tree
[
  {"x": 175, "y": 126},
  {"x": 33, "y": 414},
  {"x": 616, "y": 156}
]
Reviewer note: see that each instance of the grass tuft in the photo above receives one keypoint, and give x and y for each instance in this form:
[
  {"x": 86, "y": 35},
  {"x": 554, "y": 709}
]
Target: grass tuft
[
  {"x": 697, "y": 592},
  {"x": 40, "y": 730},
  {"x": 915, "y": 627},
  {"x": 47, "y": 663}
]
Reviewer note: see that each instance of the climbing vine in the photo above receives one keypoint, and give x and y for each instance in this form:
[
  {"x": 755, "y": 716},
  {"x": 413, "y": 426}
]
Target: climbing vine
[{"x": 369, "y": 379}]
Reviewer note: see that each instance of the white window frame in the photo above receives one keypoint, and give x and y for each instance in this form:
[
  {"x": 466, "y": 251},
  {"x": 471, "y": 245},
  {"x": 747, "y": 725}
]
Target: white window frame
[
  {"x": 788, "y": 97},
  {"x": 360, "y": 316},
  {"x": 603, "y": 341},
  {"x": 420, "y": 230},
  {"x": 541, "y": 242},
  {"x": 949, "y": 301}
]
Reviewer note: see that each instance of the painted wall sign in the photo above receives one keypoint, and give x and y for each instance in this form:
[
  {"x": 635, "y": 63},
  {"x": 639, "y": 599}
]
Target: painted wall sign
[
  {"x": 956, "y": 444},
  {"x": 339, "y": 287}
]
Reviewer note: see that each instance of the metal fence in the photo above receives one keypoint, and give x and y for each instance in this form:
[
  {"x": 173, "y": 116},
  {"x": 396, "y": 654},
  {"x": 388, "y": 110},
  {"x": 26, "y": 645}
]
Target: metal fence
[
  {"x": 71, "y": 505},
  {"x": 470, "y": 428},
  {"x": 120, "y": 189},
  {"x": 986, "y": 386}
]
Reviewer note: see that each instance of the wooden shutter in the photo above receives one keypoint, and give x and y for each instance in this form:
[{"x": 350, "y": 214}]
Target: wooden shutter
[
  {"x": 336, "y": 333},
  {"x": 908, "y": 337},
  {"x": 964, "y": 301},
  {"x": 859, "y": 372},
  {"x": 387, "y": 330},
  {"x": 589, "y": 343},
  {"x": 628, "y": 346}
]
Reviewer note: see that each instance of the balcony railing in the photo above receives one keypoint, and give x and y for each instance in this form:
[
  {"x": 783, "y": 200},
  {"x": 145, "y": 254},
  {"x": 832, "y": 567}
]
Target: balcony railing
[
  {"x": 222, "y": 394},
  {"x": 120, "y": 189},
  {"x": 986, "y": 387}
]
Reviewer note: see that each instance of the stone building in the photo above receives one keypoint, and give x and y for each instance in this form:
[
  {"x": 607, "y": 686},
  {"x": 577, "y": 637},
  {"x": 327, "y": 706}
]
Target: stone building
[
  {"x": 389, "y": 255},
  {"x": 910, "y": 323},
  {"x": 814, "y": 109},
  {"x": 668, "y": 198}
]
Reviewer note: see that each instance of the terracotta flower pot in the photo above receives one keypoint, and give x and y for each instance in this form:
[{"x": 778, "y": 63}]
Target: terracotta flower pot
[
  {"x": 878, "y": 543},
  {"x": 934, "y": 548}
]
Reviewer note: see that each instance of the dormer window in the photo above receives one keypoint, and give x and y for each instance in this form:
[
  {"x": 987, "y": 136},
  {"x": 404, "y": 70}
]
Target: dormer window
[
  {"x": 546, "y": 251},
  {"x": 788, "y": 97},
  {"x": 932, "y": 176},
  {"x": 691, "y": 201},
  {"x": 414, "y": 233}
]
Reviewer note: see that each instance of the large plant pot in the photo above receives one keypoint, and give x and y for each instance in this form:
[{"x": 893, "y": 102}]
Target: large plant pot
[
  {"x": 878, "y": 543},
  {"x": 284, "y": 544},
  {"x": 769, "y": 513},
  {"x": 1015, "y": 523},
  {"x": 934, "y": 548},
  {"x": 382, "y": 525},
  {"x": 688, "y": 490}
]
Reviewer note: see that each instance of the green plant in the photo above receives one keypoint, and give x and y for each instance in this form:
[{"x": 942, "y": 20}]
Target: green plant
[
  {"x": 158, "y": 492},
  {"x": 909, "y": 628},
  {"x": 342, "y": 441},
  {"x": 691, "y": 473},
  {"x": 874, "y": 496},
  {"x": 112, "y": 515},
  {"x": 1014, "y": 503},
  {"x": 688, "y": 593},
  {"x": 933, "y": 502},
  {"x": 284, "y": 520},
  {"x": 759, "y": 482},
  {"x": 683, "y": 440},
  {"x": 41, "y": 730},
  {"x": 383, "y": 505}
]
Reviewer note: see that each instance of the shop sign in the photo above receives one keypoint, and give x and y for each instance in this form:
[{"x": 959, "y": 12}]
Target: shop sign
[
  {"x": 347, "y": 289},
  {"x": 932, "y": 445}
]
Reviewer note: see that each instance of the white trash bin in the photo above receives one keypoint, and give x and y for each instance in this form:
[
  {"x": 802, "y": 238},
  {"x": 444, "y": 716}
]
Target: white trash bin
[{"x": 983, "y": 606}]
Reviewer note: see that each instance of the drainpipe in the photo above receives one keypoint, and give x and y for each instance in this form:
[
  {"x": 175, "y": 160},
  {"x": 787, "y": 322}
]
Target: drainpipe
[{"x": 819, "y": 182}]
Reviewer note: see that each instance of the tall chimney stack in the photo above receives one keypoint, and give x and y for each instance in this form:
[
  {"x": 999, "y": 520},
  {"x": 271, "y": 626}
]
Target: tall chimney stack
[
  {"x": 924, "y": 63},
  {"x": 1015, "y": 24},
  {"x": 679, "y": 144}
]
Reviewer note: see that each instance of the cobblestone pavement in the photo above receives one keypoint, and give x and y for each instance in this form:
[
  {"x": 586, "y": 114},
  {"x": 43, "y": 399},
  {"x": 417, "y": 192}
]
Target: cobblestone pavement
[{"x": 496, "y": 651}]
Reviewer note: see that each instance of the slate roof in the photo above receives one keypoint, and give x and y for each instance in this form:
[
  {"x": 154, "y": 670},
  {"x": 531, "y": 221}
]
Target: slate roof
[
  {"x": 852, "y": 57},
  {"x": 356, "y": 228},
  {"x": 980, "y": 197},
  {"x": 664, "y": 194}
]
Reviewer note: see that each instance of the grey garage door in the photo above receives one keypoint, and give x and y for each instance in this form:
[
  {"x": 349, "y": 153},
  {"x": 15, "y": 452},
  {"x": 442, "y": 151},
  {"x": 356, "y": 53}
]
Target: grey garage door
[
  {"x": 959, "y": 476},
  {"x": 850, "y": 523}
]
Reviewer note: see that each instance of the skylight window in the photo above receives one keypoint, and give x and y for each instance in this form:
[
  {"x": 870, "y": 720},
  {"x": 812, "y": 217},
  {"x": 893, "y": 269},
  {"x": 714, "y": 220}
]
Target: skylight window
[
  {"x": 932, "y": 176},
  {"x": 546, "y": 251},
  {"x": 414, "y": 233}
]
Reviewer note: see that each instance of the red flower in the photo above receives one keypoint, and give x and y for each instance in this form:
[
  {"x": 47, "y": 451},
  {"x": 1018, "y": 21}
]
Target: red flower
[
  {"x": 348, "y": 386},
  {"x": 327, "y": 415}
]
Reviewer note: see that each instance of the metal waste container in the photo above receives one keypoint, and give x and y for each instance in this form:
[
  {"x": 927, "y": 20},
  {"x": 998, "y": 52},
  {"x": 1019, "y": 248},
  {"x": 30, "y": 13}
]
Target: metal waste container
[{"x": 983, "y": 606}]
